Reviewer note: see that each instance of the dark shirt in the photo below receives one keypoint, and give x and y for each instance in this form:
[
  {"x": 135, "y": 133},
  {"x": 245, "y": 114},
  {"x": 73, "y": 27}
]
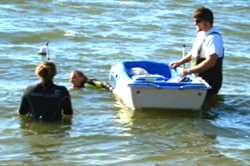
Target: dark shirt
[{"x": 46, "y": 101}]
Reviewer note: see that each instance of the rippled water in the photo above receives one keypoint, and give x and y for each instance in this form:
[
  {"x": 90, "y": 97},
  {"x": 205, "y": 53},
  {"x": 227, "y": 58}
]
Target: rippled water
[{"x": 93, "y": 35}]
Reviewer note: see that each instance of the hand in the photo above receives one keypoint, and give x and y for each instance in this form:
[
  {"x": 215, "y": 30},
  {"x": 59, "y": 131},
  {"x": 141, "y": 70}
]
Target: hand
[
  {"x": 184, "y": 72},
  {"x": 114, "y": 91},
  {"x": 174, "y": 64}
]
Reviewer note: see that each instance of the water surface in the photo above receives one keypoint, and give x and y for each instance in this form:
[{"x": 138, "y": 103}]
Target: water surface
[{"x": 92, "y": 36}]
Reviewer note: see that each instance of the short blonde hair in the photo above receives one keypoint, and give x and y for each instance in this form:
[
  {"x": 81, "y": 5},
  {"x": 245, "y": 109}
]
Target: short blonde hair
[{"x": 46, "y": 70}]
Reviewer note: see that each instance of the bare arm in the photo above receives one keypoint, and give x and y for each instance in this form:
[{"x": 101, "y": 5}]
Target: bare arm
[
  {"x": 183, "y": 60},
  {"x": 208, "y": 63}
]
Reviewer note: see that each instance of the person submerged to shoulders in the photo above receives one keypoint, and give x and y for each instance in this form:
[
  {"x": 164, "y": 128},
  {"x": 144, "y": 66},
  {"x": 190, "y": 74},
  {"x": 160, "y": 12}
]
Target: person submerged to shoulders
[
  {"x": 46, "y": 100},
  {"x": 78, "y": 80}
]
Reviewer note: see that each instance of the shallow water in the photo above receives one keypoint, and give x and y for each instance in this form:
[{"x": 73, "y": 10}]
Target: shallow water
[{"x": 92, "y": 36}]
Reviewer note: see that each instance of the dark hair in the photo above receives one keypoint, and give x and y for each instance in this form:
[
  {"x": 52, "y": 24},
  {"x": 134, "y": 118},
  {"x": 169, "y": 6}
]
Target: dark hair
[
  {"x": 80, "y": 74},
  {"x": 204, "y": 14},
  {"x": 46, "y": 70}
]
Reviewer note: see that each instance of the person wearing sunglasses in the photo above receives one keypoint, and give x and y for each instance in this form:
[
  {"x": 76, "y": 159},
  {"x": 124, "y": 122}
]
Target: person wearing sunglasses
[
  {"x": 79, "y": 80},
  {"x": 207, "y": 53}
]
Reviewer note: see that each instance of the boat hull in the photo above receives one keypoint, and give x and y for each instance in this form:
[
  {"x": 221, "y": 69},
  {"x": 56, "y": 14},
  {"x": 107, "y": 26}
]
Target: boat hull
[
  {"x": 162, "y": 89},
  {"x": 153, "y": 97}
]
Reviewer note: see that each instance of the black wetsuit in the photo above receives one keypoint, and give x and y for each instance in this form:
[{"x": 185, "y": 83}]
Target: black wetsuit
[
  {"x": 46, "y": 101},
  {"x": 96, "y": 84}
]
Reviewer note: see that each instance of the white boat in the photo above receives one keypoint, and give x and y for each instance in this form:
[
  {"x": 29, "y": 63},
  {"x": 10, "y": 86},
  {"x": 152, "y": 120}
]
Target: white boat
[{"x": 151, "y": 84}]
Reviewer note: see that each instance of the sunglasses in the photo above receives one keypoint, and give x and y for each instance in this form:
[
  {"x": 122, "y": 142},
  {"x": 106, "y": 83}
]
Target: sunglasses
[{"x": 198, "y": 21}]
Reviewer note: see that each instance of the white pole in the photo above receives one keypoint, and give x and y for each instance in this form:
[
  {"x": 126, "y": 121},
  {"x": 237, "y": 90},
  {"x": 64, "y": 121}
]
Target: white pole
[
  {"x": 183, "y": 53},
  {"x": 47, "y": 51}
]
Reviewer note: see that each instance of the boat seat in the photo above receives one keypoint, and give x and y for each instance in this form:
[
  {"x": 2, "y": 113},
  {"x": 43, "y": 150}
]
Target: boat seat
[
  {"x": 139, "y": 74},
  {"x": 178, "y": 78},
  {"x": 137, "y": 71},
  {"x": 148, "y": 78}
]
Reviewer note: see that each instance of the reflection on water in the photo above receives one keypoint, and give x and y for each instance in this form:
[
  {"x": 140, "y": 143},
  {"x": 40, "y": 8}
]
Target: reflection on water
[
  {"x": 225, "y": 105},
  {"x": 210, "y": 131},
  {"x": 166, "y": 133},
  {"x": 230, "y": 113},
  {"x": 128, "y": 115},
  {"x": 211, "y": 105},
  {"x": 45, "y": 139},
  {"x": 215, "y": 106},
  {"x": 36, "y": 127}
]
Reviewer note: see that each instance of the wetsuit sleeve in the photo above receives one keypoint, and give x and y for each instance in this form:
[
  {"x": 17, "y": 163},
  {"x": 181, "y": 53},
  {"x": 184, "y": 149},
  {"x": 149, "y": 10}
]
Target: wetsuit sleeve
[
  {"x": 96, "y": 84},
  {"x": 107, "y": 86},
  {"x": 93, "y": 83},
  {"x": 66, "y": 105},
  {"x": 24, "y": 106}
]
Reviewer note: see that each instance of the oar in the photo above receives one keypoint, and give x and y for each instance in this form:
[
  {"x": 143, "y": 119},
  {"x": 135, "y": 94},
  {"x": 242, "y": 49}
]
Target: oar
[{"x": 47, "y": 51}]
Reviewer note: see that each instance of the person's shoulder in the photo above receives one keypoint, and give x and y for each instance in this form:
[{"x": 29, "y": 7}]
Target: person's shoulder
[
  {"x": 91, "y": 80},
  {"x": 61, "y": 87},
  {"x": 213, "y": 32},
  {"x": 29, "y": 87}
]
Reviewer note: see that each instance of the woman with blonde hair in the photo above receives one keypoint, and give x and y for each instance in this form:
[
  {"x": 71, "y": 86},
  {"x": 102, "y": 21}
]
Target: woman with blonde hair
[
  {"x": 46, "y": 100},
  {"x": 79, "y": 80}
]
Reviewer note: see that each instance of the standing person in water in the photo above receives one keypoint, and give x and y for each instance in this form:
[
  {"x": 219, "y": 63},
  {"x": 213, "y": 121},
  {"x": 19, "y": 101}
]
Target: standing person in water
[
  {"x": 207, "y": 53},
  {"x": 79, "y": 80},
  {"x": 46, "y": 100}
]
